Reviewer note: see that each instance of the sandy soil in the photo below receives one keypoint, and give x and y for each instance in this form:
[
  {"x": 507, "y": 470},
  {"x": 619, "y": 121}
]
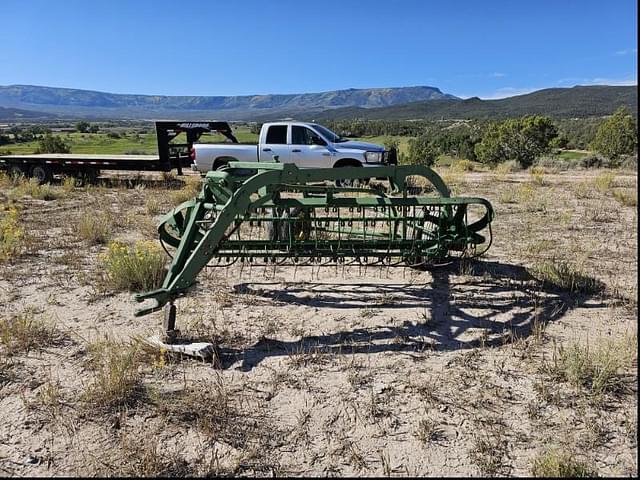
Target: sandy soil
[{"x": 333, "y": 371}]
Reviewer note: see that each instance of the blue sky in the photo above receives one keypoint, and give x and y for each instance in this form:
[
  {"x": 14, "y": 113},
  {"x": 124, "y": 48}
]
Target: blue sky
[{"x": 468, "y": 48}]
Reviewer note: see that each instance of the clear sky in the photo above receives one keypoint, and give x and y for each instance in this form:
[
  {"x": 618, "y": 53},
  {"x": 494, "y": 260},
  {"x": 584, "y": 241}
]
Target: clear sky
[{"x": 485, "y": 48}]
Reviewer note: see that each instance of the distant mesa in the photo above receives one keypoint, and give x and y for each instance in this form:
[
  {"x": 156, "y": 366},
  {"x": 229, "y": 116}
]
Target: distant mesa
[
  {"x": 75, "y": 102},
  {"x": 401, "y": 103}
]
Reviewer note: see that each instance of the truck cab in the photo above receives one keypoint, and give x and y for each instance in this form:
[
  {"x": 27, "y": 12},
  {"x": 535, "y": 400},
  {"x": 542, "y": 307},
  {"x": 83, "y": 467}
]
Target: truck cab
[{"x": 307, "y": 145}]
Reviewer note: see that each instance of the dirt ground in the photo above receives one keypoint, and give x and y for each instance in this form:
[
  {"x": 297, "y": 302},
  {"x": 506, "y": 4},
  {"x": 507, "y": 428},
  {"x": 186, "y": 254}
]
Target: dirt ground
[{"x": 334, "y": 371}]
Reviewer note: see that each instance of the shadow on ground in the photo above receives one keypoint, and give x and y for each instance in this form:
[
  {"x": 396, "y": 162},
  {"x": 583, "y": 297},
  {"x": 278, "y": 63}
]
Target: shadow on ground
[{"x": 492, "y": 304}]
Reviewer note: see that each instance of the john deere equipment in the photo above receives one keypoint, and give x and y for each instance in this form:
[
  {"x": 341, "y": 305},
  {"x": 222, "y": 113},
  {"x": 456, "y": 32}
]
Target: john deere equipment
[{"x": 278, "y": 214}]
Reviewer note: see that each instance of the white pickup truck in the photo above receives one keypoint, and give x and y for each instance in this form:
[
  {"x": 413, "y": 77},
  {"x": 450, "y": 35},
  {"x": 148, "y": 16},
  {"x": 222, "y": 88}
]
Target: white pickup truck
[{"x": 308, "y": 145}]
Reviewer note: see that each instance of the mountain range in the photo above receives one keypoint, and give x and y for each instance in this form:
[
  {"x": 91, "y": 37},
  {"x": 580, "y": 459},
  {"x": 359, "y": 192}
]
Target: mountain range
[
  {"x": 26, "y": 102},
  {"x": 87, "y": 103},
  {"x": 575, "y": 102}
]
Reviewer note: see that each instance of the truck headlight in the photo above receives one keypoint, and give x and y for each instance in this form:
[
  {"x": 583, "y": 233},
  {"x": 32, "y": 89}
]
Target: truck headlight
[{"x": 373, "y": 157}]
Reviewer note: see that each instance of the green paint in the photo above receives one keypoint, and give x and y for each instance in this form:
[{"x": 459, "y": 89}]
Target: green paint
[{"x": 272, "y": 213}]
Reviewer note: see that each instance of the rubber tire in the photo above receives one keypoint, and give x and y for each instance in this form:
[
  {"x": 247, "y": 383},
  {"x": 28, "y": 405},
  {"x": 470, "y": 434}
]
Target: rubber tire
[
  {"x": 277, "y": 230},
  {"x": 41, "y": 173},
  {"x": 16, "y": 171},
  {"x": 88, "y": 176},
  {"x": 357, "y": 182}
]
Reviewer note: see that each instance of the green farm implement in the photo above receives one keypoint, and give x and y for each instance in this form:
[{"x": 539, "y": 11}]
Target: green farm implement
[{"x": 276, "y": 214}]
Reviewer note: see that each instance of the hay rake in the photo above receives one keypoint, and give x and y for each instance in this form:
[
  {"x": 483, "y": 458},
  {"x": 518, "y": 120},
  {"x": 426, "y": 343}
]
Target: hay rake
[{"x": 278, "y": 214}]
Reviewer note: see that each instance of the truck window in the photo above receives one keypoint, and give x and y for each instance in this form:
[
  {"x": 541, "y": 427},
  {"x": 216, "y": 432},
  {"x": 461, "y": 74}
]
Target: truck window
[
  {"x": 303, "y": 136},
  {"x": 277, "y": 134}
]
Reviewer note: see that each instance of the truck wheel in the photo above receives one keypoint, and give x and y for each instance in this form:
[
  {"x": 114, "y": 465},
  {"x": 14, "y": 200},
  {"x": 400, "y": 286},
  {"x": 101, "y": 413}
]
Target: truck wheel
[
  {"x": 42, "y": 173},
  {"x": 349, "y": 182},
  {"x": 279, "y": 229},
  {"x": 220, "y": 164}
]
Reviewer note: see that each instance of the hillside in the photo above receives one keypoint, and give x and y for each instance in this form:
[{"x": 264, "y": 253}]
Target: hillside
[
  {"x": 579, "y": 101},
  {"x": 14, "y": 114},
  {"x": 86, "y": 103}
]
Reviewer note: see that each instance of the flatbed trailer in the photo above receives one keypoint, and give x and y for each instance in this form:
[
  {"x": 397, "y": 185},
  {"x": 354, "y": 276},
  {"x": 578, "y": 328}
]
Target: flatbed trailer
[{"x": 43, "y": 166}]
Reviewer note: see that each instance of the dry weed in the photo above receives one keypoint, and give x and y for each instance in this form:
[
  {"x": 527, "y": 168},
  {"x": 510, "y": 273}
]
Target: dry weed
[
  {"x": 604, "y": 181},
  {"x": 537, "y": 175},
  {"x": 560, "y": 464},
  {"x": 95, "y": 227},
  {"x": 566, "y": 276},
  {"x": 190, "y": 190},
  {"x": 136, "y": 268},
  {"x": 627, "y": 198},
  {"x": 22, "y": 332},
  {"x": 12, "y": 235},
  {"x": 597, "y": 370},
  {"x": 117, "y": 376}
]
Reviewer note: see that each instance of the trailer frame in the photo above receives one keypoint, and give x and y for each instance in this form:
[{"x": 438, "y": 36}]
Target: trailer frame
[{"x": 43, "y": 166}]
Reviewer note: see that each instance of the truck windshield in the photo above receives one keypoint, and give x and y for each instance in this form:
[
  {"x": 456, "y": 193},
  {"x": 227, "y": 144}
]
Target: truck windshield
[{"x": 328, "y": 134}]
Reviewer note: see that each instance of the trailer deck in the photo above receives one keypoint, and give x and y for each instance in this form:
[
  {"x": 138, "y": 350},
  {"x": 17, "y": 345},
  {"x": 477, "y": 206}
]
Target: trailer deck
[
  {"x": 104, "y": 162},
  {"x": 43, "y": 166}
]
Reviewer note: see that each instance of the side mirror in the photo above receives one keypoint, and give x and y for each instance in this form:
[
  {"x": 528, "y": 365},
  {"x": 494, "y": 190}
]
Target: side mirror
[{"x": 318, "y": 141}]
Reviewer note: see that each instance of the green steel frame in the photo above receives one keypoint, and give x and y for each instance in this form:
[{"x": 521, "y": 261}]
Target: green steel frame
[{"x": 277, "y": 213}]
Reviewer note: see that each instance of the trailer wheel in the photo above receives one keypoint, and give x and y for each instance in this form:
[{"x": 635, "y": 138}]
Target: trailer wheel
[
  {"x": 15, "y": 171},
  {"x": 88, "y": 176},
  {"x": 42, "y": 173}
]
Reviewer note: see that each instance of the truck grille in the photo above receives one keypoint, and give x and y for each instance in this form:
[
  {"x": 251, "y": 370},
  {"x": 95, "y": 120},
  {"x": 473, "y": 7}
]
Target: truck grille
[{"x": 390, "y": 157}]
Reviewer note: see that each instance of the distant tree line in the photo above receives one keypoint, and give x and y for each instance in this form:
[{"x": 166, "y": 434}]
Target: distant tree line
[{"x": 521, "y": 139}]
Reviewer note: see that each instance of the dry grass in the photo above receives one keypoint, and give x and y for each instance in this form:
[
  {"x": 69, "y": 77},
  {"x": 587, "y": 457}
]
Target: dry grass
[
  {"x": 23, "y": 332},
  {"x": 463, "y": 166},
  {"x": 627, "y": 198},
  {"x": 597, "y": 370},
  {"x": 488, "y": 450},
  {"x": 604, "y": 181},
  {"x": 506, "y": 167},
  {"x": 69, "y": 184},
  {"x": 454, "y": 179},
  {"x": 5, "y": 180},
  {"x": 583, "y": 190},
  {"x": 207, "y": 406},
  {"x": 154, "y": 205},
  {"x": 117, "y": 376},
  {"x": 566, "y": 276},
  {"x": 34, "y": 190},
  {"x": 95, "y": 227},
  {"x": 560, "y": 464},
  {"x": 341, "y": 401},
  {"x": 143, "y": 457},
  {"x": 190, "y": 190},
  {"x": 12, "y": 235},
  {"x": 135, "y": 268},
  {"x": 537, "y": 175},
  {"x": 428, "y": 430},
  {"x": 524, "y": 194}
]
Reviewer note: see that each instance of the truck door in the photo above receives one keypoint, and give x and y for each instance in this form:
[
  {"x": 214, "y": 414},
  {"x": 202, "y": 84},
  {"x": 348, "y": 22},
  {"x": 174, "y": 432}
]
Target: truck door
[
  {"x": 308, "y": 149},
  {"x": 275, "y": 144}
]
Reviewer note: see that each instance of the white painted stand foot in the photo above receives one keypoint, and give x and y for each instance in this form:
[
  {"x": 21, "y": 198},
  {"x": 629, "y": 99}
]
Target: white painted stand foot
[{"x": 202, "y": 350}]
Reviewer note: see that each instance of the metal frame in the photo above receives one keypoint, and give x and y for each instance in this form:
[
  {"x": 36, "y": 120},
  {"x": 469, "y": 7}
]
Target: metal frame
[{"x": 396, "y": 229}]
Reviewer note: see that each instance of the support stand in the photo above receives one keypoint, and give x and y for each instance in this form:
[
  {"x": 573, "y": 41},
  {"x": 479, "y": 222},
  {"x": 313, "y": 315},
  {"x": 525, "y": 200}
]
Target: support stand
[{"x": 169, "y": 324}]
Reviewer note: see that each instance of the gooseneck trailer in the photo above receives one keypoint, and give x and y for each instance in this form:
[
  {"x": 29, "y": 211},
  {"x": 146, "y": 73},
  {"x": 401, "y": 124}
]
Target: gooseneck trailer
[{"x": 42, "y": 166}]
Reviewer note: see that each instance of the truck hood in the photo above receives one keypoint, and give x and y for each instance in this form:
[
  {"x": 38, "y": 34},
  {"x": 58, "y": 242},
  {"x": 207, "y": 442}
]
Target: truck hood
[{"x": 351, "y": 145}]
